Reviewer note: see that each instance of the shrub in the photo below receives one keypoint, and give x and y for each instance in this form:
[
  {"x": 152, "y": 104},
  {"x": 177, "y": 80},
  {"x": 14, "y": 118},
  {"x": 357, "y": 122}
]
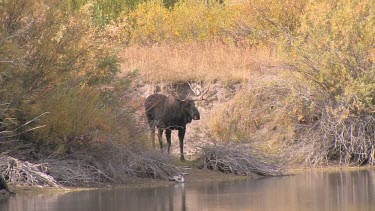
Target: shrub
[
  {"x": 187, "y": 21},
  {"x": 258, "y": 116},
  {"x": 334, "y": 52},
  {"x": 60, "y": 64},
  {"x": 239, "y": 160},
  {"x": 263, "y": 22},
  {"x": 199, "y": 21},
  {"x": 149, "y": 23}
]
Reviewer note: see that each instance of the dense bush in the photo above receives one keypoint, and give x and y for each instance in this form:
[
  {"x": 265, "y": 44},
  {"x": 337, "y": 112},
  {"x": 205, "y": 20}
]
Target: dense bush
[
  {"x": 56, "y": 63},
  {"x": 327, "y": 107},
  {"x": 260, "y": 115},
  {"x": 187, "y": 21},
  {"x": 252, "y": 22},
  {"x": 334, "y": 52},
  {"x": 264, "y": 22},
  {"x": 102, "y": 12}
]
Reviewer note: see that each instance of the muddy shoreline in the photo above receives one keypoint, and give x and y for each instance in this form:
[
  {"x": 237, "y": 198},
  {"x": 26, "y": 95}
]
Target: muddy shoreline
[{"x": 195, "y": 175}]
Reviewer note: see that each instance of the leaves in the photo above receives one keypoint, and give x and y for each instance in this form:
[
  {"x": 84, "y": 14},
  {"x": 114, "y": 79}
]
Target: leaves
[
  {"x": 57, "y": 62},
  {"x": 187, "y": 21}
]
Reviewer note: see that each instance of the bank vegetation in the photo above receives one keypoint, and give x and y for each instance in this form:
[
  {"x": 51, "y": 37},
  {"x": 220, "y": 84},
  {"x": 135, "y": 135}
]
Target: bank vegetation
[{"x": 306, "y": 71}]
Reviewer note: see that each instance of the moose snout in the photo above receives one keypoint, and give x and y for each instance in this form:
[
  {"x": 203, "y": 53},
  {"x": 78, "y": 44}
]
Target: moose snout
[{"x": 196, "y": 117}]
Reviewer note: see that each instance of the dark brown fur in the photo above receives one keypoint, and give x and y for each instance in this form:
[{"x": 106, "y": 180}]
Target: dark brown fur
[{"x": 168, "y": 113}]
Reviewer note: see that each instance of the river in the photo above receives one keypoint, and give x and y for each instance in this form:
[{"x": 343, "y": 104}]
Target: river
[{"x": 341, "y": 190}]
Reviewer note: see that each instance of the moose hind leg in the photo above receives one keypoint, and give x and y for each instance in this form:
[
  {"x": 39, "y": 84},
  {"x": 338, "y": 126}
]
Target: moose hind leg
[
  {"x": 181, "y": 135},
  {"x": 160, "y": 137},
  {"x": 168, "y": 134}
]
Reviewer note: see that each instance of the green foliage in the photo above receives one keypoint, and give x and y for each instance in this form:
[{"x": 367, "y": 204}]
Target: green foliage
[
  {"x": 169, "y": 3},
  {"x": 105, "y": 11},
  {"x": 108, "y": 68},
  {"x": 71, "y": 5}
]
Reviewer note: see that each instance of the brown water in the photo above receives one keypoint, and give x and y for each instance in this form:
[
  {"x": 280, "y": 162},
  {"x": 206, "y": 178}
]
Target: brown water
[{"x": 339, "y": 190}]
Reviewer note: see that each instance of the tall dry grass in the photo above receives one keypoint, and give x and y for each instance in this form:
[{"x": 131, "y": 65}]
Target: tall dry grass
[{"x": 207, "y": 61}]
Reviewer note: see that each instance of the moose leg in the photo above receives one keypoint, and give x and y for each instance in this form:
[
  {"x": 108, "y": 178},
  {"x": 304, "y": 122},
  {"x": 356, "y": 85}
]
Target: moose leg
[
  {"x": 181, "y": 135},
  {"x": 152, "y": 127},
  {"x": 168, "y": 134},
  {"x": 153, "y": 137},
  {"x": 160, "y": 137}
]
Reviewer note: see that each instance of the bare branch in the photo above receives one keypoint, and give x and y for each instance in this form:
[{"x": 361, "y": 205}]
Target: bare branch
[{"x": 238, "y": 159}]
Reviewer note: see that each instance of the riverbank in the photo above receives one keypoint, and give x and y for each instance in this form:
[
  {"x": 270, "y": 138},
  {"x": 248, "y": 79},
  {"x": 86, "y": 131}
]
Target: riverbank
[
  {"x": 194, "y": 175},
  {"x": 350, "y": 189}
]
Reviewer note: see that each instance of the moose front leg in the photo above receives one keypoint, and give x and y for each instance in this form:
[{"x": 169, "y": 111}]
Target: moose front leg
[
  {"x": 168, "y": 134},
  {"x": 160, "y": 137},
  {"x": 181, "y": 135},
  {"x": 152, "y": 128},
  {"x": 153, "y": 137}
]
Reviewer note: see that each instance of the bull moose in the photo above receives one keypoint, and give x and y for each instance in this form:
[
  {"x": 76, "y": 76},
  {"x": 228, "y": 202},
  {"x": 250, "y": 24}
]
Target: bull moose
[{"x": 170, "y": 113}]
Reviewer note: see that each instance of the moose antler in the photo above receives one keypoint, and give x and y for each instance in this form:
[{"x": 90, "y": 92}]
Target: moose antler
[
  {"x": 195, "y": 87},
  {"x": 202, "y": 95}
]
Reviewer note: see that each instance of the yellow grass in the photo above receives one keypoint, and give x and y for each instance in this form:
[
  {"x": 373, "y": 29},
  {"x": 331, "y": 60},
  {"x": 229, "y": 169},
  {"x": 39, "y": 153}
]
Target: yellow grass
[{"x": 196, "y": 61}]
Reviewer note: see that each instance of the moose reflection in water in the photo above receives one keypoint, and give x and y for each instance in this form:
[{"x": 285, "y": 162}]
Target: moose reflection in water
[{"x": 169, "y": 113}]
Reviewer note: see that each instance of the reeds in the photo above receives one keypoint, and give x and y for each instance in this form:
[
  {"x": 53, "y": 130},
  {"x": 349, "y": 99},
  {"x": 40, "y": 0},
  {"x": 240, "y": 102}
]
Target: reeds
[{"x": 206, "y": 61}]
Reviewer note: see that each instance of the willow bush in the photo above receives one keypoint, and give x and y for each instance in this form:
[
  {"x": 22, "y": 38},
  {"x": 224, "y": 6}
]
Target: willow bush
[
  {"x": 187, "y": 21},
  {"x": 58, "y": 63},
  {"x": 253, "y": 22},
  {"x": 102, "y": 12},
  {"x": 329, "y": 106},
  {"x": 256, "y": 22},
  {"x": 258, "y": 116},
  {"x": 334, "y": 52},
  {"x": 264, "y": 22}
]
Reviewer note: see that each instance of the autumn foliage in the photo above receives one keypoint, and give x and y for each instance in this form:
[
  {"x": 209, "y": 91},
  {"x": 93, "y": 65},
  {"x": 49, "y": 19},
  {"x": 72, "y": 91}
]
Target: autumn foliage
[
  {"x": 61, "y": 57},
  {"x": 55, "y": 64}
]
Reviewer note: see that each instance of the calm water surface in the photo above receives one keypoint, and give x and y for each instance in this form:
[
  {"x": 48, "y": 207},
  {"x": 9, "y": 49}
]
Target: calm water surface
[{"x": 339, "y": 190}]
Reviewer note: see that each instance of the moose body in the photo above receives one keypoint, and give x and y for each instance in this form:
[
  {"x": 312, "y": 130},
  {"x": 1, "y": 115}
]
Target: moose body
[{"x": 168, "y": 113}]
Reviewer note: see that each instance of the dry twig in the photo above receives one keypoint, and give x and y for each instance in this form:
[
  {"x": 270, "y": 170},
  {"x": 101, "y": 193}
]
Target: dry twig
[
  {"x": 26, "y": 174},
  {"x": 239, "y": 160}
]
